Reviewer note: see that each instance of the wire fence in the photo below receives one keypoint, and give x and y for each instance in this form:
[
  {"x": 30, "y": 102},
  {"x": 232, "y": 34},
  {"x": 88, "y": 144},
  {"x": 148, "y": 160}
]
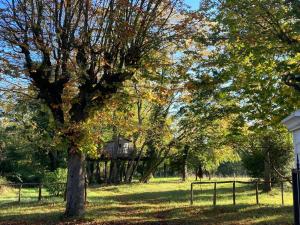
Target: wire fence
[
  {"x": 253, "y": 184},
  {"x": 36, "y": 192},
  {"x": 29, "y": 192}
]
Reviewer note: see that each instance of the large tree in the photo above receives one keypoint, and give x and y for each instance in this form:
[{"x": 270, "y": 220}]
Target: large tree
[
  {"x": 260, "y": 33},
  {"x": 76, "y": 54}
]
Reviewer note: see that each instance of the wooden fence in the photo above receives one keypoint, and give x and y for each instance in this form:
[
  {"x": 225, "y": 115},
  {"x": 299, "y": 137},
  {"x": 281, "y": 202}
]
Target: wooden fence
[
  {"x": 255, "y": 183},
  {"x": 40, "y": 186}
]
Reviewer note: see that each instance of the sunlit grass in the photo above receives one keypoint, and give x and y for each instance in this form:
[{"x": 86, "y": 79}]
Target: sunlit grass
[{"x": 161, "y": 200}]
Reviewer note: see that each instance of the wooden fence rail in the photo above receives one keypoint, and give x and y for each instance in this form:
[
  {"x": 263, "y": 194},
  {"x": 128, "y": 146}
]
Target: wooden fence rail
[
  {"x": 40, "y": 186},
  {"x": 256, "y": 183}
]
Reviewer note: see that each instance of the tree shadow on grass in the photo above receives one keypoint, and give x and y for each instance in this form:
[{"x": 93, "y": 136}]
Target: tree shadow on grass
[
  {"x": 31, "y": 218},
  {"x": 151, "y": 208},
  {"x": 230, "y": 215},
  {"x": 147, "y": 215},
  {"x": 179, "y": 196}
]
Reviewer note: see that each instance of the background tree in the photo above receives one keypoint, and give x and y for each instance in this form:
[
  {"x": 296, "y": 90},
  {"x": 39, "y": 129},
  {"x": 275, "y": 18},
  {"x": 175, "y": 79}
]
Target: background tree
[
  {"x": 260, "y": 32},
  {"x": 30, "y": 145},
  {"x": 268, "y": 155},
  {"x": 253, "y": 55}
]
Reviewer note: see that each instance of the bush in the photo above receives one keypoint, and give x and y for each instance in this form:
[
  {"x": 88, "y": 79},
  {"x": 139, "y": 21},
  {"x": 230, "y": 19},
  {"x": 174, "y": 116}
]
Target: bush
[
  {"x": 3, "y": 180},
  {"x": 55, "y": 182},
  {"x": 274, "y": 146},
  {"x": 229, "y": 169},
  {"x": 14, "y": 177},
  {"x": 4, "y": 186}
]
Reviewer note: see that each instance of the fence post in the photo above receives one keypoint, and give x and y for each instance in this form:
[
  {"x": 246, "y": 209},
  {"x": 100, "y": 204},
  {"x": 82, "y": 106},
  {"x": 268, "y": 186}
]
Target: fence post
[
  {"x": 85, "y": 189},
  {"x": 282, "y": 199},
  {"x": 65, "y": 193},
  {"x": 40, "y": 192},
  {"x": 192, "y": 194},
  {"x": 233, "y": 192},
  {"x": 215, "y": 194},
  {"x": 256, "y": 192},
  {"x": 19, "y": 198}
]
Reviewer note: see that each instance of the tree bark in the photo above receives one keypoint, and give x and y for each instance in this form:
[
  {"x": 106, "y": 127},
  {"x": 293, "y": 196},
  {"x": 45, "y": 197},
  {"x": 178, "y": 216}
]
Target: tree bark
[
  {"x": 75, "y": 184},
  {"x": 90, "y": 171},
  {"x": 98, "y": 172},
  {"x": 184, "y": 172},
  {"x": 134, "y": 165},
  {"x": 153, "y": 162},
  {"x": 184, "y": 163},
  {"x": 114, "y": 176},
  {"x": 267, "y": 173},
  {"x": 200, "y": 171},
  {"x": 128, "y": 171},
  {"x": 165, "y": 170},
  {"x": 53, "y": 160},
  {"x": 105, "y": 171}
]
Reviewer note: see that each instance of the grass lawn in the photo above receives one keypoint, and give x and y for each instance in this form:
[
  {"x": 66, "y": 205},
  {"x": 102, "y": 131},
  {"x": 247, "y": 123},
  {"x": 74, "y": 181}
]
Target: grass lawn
[{"x": 162, "y": 201}]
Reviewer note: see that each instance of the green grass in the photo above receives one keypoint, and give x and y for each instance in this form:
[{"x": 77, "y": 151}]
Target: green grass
[{"x": 162, "y": 201}]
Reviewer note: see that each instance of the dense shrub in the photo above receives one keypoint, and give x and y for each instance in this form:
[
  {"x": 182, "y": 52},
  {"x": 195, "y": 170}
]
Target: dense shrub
[
  {"x": 3, "y": 180},
  {"x": 274, "y": 148},
  {"x": 55, "y": 182},
  {"x": 230, "y": 169},
  {"x": 3, "y": 185}
]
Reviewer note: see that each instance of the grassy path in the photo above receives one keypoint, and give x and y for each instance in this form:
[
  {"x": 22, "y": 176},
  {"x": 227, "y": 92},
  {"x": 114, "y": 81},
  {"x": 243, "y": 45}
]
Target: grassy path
[{"x": 163, "y": 201}]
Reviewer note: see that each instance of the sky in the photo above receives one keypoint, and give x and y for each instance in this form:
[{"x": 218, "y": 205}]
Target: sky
[{"x": 193, "y": 3}]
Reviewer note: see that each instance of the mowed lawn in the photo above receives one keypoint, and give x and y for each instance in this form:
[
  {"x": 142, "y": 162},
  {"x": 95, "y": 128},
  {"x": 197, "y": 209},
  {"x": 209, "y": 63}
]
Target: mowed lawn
[{"x": 162, "y": 201}]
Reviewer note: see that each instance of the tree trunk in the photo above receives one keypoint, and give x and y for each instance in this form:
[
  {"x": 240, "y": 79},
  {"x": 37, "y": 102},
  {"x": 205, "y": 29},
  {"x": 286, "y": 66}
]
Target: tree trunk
[
  {"x": 53, "y": 160},
  {"x": 184, "y": 172},
  {"x": 90, "y": 171},
  {"x": 75, "y": 184},
  {"x": 121, "y": 171},
  {"x": 184, "y": 162},
  {"x": 105, "y": 171},
  {"x": 267, "y": 173},
  {"x": 114, "y": 176},
  {"x": 153, "y": 163},
  {"x": 98, "y": 172},
  {"x": 128, "y": 171},
  {"x": 135, "y": 165},
  {"x": 209, "y": 175},
  {"x": 200, "y": 172}
]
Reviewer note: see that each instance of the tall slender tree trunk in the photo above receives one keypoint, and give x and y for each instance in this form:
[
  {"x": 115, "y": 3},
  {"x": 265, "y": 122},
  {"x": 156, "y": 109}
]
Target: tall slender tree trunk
[
  {"x": 184, "y": 172},
  {"x": 153, "y": 162},
  {"x": 98, "y": 172},
  {"x": 53, "y": 160},
  {"x": 184, "y": 162},
  {"x": 134, "y": 166},
  {"x": 267, "y": 173},
  {"x": 114, "y": 175},
  {"x": 129, "y": 168},
  {"x": 75, "y": 184},
  {"x": 200, "y": 172},
  {"x": 105, "y": 171},
  {"x": 90, "y": 171}
]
